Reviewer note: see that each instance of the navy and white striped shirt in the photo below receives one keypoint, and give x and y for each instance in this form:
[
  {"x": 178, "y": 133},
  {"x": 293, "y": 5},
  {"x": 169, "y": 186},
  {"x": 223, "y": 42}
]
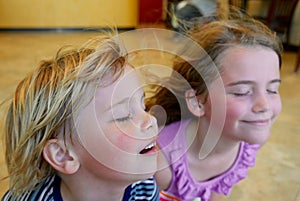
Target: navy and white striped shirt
[
  {"x": 49, "y": 190},
  {"x": 142, "y": 190}
]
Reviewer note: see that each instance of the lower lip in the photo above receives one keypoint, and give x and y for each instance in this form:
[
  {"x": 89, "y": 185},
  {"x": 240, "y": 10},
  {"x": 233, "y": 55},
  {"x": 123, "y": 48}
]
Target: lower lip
[
  {"x": 258, "y": 123},
  {"x": 152, "y": 151}
]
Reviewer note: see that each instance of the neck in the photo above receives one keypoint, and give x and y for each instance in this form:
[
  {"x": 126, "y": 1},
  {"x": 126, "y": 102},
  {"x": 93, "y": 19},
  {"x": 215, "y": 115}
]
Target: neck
[
  {"x": 75, "y": 189},
  {"x": 204, "y": 145}
]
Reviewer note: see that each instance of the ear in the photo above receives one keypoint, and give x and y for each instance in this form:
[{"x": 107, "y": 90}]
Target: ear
[
  {"x": 59, "y": 157},
  {"x": 193, "y": 104}
]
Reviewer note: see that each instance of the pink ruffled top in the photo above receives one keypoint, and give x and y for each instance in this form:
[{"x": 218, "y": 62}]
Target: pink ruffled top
[{"x": 183, "y": 186}]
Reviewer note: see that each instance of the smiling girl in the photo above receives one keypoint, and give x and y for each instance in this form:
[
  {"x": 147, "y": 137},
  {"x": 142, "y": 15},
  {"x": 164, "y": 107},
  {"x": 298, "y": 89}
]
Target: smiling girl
[{"x": 215, "y": 127}]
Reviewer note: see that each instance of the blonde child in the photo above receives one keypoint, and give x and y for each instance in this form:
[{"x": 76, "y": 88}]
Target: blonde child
[
  {"x": 76, "y": 128},
  {"x": 204, "y": 154}
]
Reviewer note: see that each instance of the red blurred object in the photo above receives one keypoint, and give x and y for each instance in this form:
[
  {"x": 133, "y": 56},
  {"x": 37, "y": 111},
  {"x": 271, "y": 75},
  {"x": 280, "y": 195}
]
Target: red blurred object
[{"x": 150, "y": 11}]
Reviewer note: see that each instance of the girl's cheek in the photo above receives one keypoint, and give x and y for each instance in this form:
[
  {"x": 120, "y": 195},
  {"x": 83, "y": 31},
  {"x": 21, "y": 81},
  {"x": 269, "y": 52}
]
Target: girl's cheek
[{"x": 236, "y": 108}]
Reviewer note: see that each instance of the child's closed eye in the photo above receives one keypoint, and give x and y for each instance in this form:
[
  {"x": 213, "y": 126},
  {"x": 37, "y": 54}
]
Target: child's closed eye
[
  {"x": 272, "y": 91},
  {"x": 241, "y": 93},
  {"x": 273, "y": 87},
  {"x": 123, "y": 119},
  {"x": 239, "y": 90}
]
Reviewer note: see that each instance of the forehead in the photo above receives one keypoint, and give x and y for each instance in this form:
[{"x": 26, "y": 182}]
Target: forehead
[
  {"x": 125, "y": 86},
  {"x": 250, "y": 62}
]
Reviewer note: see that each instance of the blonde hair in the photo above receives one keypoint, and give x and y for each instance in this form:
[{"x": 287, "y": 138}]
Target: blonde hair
[
  {"x": 44, "y": 101},
  {"x": 215, "y": 38}
]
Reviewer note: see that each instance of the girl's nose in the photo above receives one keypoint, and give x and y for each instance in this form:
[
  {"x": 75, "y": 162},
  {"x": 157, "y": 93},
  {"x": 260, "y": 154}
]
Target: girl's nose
[{"x": 261, "y": 103}]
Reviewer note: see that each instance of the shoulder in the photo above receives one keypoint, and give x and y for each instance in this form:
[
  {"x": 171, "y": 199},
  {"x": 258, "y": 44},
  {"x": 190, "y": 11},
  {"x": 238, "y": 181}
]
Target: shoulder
[
  {"x": 49, "y": 190},
  {"x": 142, "y": 190}
]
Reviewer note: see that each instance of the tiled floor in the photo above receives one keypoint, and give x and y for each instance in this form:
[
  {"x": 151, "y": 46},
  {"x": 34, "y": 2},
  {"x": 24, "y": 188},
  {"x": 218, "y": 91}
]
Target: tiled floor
[{"x": 276, "y": 176}]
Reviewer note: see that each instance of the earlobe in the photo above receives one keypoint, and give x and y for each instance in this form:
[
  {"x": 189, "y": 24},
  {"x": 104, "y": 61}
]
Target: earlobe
[
  {"x": 59, "y": 157},
  {"x": 193, "y": 104}
]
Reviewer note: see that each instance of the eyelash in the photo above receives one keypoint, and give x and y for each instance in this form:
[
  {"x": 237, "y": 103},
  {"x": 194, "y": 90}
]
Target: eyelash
[
  {"x": 272, "y": 92},
  {"x": 248, "y": 92},
  {"x": 242, "y": 94},
  {"x": 128, "y": 117}
]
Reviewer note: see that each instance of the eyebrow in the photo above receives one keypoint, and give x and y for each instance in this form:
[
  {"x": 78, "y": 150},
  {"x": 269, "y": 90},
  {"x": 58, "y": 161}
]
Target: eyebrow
[
  {"x": 118, "y": 103},
  {"x": 276, "y": 81},
  {"x": 246, "y": 82},
  {"x": 125, "y": 100}
]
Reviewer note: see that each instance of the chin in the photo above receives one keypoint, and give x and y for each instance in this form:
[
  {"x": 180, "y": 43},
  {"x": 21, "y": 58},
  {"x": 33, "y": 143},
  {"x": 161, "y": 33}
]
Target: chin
[{"x": 258, "y": 139}]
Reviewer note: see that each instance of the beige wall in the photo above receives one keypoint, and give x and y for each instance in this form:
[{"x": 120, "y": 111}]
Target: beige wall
[{"x": 68, "y": 13}]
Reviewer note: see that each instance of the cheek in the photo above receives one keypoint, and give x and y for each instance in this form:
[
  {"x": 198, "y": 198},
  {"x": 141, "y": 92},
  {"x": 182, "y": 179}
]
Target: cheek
[
  {"x": 121, "y": 138},
  {"x": 276, "y": 106},
  {"x": 235, "y": 110}
]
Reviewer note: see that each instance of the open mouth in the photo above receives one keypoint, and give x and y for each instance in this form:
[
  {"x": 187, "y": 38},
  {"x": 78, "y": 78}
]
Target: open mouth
[{"x": 149, "y": 148}]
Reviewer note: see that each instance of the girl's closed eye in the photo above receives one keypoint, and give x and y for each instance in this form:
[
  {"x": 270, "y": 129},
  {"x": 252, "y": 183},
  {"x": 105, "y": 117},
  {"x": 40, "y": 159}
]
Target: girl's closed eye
[
  {"x": 125, "y": 118},
  {"x": 237, "y": 91},
  {"x": 273, "y": 87},
  {"x": 272, "y": 91},
  {"x": 241, "y": 93}
]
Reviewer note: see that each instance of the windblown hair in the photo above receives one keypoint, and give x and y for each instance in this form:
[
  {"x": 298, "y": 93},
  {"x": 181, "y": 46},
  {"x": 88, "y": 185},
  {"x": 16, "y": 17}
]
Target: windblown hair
[
  {"x": 215, "y": 38},
  {"x": 44, "y": 101}
]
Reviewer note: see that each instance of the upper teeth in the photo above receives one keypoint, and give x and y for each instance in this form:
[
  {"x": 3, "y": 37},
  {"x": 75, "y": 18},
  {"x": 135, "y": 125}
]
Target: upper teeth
[{"x": 150, "y": 145}]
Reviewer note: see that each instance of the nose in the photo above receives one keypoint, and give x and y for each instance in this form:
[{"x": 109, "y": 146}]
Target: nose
[
  {"x": 261, "y": 103},
  {"x": 147, "y": 121}
]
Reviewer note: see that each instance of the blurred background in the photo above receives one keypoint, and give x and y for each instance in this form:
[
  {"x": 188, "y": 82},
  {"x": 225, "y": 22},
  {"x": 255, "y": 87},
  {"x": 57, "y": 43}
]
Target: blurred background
[{"x": 33, "y": 30}]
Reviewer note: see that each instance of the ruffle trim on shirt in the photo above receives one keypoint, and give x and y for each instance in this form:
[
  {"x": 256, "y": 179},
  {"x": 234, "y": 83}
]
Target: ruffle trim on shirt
[{"x": 189, "y": 188}]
